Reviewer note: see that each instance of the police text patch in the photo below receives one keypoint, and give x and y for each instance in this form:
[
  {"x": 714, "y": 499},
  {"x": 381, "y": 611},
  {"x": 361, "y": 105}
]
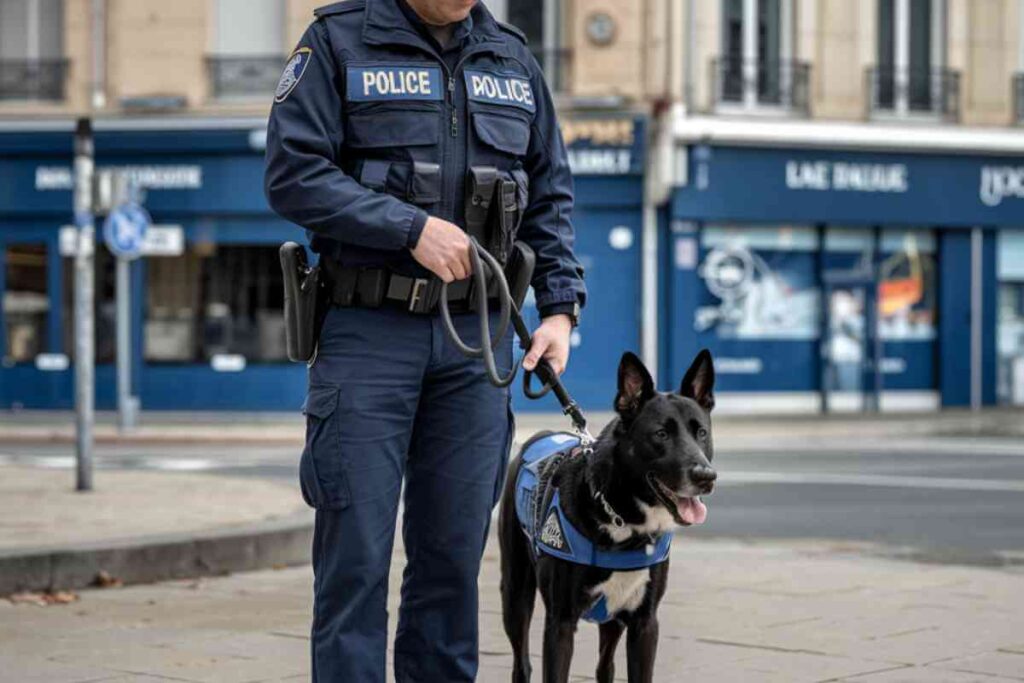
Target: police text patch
[
  {"x": 508, "y": 90},
  {"x": 374, "y": 83},
  {"x": 293, "y": 71}
]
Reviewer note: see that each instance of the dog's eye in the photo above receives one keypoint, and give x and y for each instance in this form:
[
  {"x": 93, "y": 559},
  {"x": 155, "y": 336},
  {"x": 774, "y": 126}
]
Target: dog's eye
[
  {"x": 702, "y": 433},
  {"x": 661, "y": 434}
]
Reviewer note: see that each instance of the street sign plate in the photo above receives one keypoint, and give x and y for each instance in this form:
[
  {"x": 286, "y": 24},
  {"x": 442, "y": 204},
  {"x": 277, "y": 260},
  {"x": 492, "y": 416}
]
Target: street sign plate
[
  {"x": 160, "y": 240},
  {"x": 125, "y": 230}
]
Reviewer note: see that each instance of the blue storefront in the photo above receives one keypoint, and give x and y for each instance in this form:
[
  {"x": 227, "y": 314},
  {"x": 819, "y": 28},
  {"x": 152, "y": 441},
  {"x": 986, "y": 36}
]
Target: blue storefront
[
  {"x": 837, "y": 277},
  {"x": 207, "y": 322}
]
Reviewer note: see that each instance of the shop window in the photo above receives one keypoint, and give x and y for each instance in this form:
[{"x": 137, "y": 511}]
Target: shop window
[
  {"x": 104, "y": 302},
  {"x": 907, "y": 289},
  {"x": 215, "y": 300},
  {"x": 761, "y": 282},
  {"x": 900, "y": 267},
  {"x": 26, "y": 303},
  {"x": 1010, "y": 334}
]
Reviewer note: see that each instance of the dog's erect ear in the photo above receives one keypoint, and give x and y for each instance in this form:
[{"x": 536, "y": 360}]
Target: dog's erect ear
[
  {"x": 699, "y": 381},
  {"x": 635, "y": 386}
]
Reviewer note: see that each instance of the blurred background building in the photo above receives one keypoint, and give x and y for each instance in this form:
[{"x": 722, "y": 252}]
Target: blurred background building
[{"x": 828, "y": 194}]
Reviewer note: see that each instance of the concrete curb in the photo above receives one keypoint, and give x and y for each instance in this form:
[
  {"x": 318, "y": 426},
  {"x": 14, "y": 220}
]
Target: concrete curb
[{"x": 264, "y": 545}]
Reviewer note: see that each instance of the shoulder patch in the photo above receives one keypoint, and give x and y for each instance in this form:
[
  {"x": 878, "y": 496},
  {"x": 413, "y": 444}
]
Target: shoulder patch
[
  {"x": 509, "y": 28},
  {"x": 293, "y": 71},
  {"x": 338, "y": 8}
]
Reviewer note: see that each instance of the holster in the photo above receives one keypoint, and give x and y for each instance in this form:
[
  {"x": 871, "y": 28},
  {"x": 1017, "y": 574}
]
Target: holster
[
  {"x": 519, "y": 271},
  {"x": 305, "y": 304},
  {"x": 495, "y": 203}
]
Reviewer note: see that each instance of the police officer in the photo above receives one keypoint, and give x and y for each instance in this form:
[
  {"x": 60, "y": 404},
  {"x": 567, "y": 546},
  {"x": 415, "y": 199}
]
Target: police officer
[{"x": 399, "y": 128}]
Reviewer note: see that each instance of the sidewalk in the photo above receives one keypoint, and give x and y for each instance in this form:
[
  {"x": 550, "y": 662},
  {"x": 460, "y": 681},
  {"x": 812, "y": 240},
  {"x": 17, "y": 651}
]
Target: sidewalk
[
  {"x": 35, "y": 427},
  {"x": 734, "y": 613},
  {"x": 142, "y": 526}
]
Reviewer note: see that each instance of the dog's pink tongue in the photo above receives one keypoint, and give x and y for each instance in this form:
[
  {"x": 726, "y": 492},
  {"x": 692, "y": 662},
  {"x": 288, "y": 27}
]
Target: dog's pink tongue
[{"x": 692, "y": 510}]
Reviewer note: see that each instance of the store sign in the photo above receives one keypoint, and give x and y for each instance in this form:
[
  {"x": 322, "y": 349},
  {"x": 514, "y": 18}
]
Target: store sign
[
  {"x": 180, "y": 177},
  {"x": 158, "y": 240},
  {"x": 999, "y": 182},
  {"x": 846, "y": 177},
  {"x": 838, "y": 186},
  {"x": 604, "y": 146},
  {"x": 52, "y": 362}
]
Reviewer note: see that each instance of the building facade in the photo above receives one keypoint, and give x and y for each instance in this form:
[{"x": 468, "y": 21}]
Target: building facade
[{"x": 828, "y": 194}]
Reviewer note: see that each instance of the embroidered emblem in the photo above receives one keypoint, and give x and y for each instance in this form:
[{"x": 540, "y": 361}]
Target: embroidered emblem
[
  {"x": 551, "y": 535},
  {"x": 293, "y": 71},
  {"x": 375, "y": 83},
  {"x": 504, "y": 89}
]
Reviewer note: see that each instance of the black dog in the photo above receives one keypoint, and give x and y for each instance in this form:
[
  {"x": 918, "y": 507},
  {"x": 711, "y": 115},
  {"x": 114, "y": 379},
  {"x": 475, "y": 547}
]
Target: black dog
[{"x": 649, "y": 466}]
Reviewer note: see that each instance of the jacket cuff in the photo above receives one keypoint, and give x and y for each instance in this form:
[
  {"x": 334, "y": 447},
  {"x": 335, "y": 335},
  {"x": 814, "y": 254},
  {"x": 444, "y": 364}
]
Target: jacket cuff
[
  {"x": 557, "y": 309},
  {"x": 419, "y": 221}
]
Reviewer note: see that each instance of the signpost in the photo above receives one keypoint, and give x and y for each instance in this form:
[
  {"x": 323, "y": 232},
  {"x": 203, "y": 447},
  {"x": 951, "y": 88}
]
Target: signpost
[
  {"x": 84, "y": 340},
  {"x": 125, "y": 235}
]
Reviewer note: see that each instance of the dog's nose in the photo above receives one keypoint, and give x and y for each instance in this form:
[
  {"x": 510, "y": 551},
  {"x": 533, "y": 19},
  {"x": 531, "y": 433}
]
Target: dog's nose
[{"x": 702, "y": 476}]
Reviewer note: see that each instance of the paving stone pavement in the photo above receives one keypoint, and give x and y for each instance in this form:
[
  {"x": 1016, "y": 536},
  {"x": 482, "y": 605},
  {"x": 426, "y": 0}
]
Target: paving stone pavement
[{"x": 734, "y": 612}]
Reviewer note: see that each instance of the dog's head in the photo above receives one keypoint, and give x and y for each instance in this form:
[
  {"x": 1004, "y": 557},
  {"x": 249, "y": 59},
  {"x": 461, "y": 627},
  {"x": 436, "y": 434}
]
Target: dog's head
[{"x": 665, "y": 438}]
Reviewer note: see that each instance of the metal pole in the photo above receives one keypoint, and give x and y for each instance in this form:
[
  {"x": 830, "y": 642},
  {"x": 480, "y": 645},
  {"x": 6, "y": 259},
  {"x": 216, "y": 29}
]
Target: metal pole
[
  {"x": 977, "y": 302},
  {"x": 125, "y": 403},
  {"x": 84, "y": 339}
]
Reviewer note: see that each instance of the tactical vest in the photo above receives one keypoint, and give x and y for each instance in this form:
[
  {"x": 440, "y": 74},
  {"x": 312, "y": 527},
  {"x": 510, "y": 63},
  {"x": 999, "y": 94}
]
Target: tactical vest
[{"x": 539, "y": 509}]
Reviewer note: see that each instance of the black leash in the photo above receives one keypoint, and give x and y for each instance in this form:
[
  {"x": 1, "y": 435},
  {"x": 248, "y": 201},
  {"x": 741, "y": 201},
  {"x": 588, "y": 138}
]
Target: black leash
[{"x": 486, "y": 267}]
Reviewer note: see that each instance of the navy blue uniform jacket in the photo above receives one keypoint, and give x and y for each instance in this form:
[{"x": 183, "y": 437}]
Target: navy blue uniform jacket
[{"x": 372, "y": 130}]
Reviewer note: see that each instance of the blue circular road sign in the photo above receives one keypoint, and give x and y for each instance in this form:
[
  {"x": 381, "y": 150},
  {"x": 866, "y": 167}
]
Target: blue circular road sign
[{"x": 125, "y": 230}]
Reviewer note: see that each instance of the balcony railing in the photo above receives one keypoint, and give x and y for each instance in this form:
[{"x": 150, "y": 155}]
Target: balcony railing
[
  {"x": 910, "y": 92},
  {"x": 1018, "y": 98},
  {"x": 773, "y": 84},
  {"x": 33, "y": 79},
  {"x": 244, "y": 76}
]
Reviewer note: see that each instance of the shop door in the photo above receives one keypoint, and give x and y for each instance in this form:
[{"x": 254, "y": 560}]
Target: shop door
[
  {"x": 850, "y": 353},
  {"x": 33, "y": 371},
  {"x": 608, "y": 245}
]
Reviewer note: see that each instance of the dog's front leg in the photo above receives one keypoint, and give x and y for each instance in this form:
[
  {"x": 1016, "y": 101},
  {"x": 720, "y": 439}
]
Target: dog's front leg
[
  {"x": 611, "y": 631},
  {"x": 558, "y": 645},
  {"x": 641, "y": 648}
]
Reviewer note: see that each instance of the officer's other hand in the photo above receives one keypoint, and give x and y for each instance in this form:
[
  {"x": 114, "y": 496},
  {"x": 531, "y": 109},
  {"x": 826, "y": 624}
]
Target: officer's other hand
[
  {"x": 550, "y": 342},
  {"x": 443, "y": 249}
]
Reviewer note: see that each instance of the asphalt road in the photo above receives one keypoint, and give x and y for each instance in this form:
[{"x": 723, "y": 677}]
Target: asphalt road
[{"x": 929, "y": 500}]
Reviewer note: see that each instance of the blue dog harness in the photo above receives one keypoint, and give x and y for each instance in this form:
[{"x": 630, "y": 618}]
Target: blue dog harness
[{"x": 551, "y": 533}]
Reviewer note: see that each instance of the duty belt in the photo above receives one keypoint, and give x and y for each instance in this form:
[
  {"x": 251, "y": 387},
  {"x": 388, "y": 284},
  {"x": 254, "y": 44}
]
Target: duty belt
[{"x": 376, "y": 287}]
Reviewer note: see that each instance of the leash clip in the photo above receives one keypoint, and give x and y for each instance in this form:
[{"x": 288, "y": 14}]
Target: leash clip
[{"x": 615, "y": 517}]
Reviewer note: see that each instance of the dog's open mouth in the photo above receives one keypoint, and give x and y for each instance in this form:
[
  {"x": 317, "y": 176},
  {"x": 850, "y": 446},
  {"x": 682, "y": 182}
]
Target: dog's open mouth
[{"x": 686, "y": 510}]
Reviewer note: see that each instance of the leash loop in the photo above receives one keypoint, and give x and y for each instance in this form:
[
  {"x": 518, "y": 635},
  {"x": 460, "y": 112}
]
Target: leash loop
[{"x": 486, "y": 267}]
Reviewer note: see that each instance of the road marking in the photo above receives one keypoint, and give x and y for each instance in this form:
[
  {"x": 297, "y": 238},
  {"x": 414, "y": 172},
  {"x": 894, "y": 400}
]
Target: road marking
[
  {"x": 873, "y": 480},
  {"x": 122, "y": 462}
]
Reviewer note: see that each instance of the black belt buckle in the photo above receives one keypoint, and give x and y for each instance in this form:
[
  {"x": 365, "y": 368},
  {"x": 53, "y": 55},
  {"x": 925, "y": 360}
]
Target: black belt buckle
[{"x": 424, "y": 295}]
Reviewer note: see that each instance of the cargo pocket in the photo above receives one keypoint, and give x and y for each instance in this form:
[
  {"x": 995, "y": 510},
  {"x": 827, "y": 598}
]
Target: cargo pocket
[
  {"x": 321, "y": 473},
  {"x": 508, "y": 134}
]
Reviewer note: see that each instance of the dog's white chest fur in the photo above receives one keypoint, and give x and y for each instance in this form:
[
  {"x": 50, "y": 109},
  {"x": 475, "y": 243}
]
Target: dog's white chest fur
[{"x": 623, "y": 591}]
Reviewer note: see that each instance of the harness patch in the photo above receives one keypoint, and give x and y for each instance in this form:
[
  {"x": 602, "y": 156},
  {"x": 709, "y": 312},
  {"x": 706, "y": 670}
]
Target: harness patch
[
  {"x": 552, "y": 535},
  {"x": 376, "y": 83},
  {"x": 507, "y": 90},
  {"x": 293, "y": 71}
]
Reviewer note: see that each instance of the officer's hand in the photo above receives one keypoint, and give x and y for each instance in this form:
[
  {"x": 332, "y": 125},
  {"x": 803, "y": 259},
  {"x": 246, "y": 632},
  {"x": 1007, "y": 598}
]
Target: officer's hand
[
  {"x": 443, "y": 249},
  {"x": 550, "y": 342}
]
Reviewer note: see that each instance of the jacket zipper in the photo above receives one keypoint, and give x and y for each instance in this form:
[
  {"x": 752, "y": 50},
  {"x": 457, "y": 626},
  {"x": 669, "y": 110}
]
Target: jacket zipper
[{"x": 453, "y": 122}]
